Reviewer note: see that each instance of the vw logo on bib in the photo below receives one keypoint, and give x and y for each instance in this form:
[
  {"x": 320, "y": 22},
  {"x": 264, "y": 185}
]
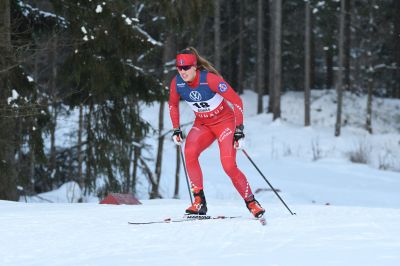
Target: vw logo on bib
[{"x": 195, "y": 96}]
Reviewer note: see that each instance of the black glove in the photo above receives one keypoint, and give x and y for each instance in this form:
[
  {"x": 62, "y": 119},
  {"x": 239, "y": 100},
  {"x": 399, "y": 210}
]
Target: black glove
[
  {"x": 238, "y": 133},
  {"x": 238, "y": 137},
  {"x": 177, "y": 136}
]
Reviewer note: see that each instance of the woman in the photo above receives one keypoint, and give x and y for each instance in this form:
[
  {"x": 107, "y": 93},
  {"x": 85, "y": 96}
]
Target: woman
[{"x": 207, "y": 93}]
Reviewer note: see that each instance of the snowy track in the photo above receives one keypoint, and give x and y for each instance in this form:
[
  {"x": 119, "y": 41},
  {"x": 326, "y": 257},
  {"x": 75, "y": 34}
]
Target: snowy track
[
  {"x": 92, "y": 234},
  {"x": 360, "y": 227}
]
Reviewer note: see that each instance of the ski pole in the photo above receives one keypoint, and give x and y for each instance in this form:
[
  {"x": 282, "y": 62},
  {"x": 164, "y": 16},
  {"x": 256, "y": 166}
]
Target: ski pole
[
  {"x": 186, "y": 174},
  {"x": 273, "y": 189}
]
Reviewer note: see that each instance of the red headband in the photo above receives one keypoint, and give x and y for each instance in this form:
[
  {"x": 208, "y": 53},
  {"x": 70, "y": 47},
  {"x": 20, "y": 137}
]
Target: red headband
[{"x": 186, "y": 60}]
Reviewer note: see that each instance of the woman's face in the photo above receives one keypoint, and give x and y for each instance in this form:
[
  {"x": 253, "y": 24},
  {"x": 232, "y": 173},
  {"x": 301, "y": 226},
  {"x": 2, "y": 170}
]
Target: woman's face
[{"x": 188, "y": 73}]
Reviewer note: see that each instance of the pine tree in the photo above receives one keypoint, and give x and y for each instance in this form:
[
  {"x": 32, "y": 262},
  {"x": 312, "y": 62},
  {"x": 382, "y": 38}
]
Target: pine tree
[{"x": 8, "y": 177}]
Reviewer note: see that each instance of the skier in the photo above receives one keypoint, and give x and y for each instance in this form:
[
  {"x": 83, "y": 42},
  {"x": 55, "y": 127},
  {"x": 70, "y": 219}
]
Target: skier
[{"x": 207, "y": 93}]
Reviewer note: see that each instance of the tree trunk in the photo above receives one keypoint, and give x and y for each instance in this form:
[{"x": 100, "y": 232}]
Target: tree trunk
[
  {"x": 79, "y": 147},
  {"x": 130, "y": 148},
  {"x": 52, "y": 90},
  {"x": 52, "y": 128},
  {"x": 347, "y": 33},
  {"x": 277, "y": 60},
  {"x": 217, "y": 35},
  {"x": 271, "y": 57},
  {"x": 241, "y": 48},
  {"x": 201, "y": 33},
  {"x": 33, "y": 136},
  {"x": 168, "y": 54},
  {"x": 32, "y": 127},
  {"x": 312, "y": 54},
  {"x": 396, "y": 84},
  {"x": 368, "y": 123},
  {"x": 307, "y": 64},
  {"x": 136, "y": 154},
  {"x": 329, "y": 67},
  {"x": 370, "y": 70},
  {"x": 339, "y": 86},
  {"x": 32, "y": 157},
  {"x": 260, "y": 57},
  {"x": 8, "y": 176},
  {"x": 147, "y": 171},
  {"x": 90, "y": 163},
  {"x": 154, "y": 192},
  {"x": 228, "y": 64}
]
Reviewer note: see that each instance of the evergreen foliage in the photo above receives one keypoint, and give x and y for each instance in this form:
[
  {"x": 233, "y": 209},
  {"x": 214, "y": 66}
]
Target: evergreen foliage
[{"x": 106, "y": 59}]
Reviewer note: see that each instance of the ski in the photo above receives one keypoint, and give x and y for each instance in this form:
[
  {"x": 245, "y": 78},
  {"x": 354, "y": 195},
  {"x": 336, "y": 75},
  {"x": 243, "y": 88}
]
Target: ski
[
  {"x": 167, "y": 220},
  {"x": 262, "y": 220},
  {"x": 186, "y": 218},
  {"x": 191, "y": 218}
]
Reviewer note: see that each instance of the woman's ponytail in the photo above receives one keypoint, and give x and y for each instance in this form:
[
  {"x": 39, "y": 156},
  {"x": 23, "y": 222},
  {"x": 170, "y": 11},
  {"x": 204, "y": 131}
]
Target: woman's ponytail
[{"x": 202, "y": 63}]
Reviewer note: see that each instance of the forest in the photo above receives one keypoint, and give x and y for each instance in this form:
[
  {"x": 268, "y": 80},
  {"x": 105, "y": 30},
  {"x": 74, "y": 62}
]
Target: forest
[{"x": 104, "y": 60}]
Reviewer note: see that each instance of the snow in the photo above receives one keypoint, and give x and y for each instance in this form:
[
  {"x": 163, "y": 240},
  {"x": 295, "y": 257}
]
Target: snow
[
  {"x": 99, "y": 9},
  {"x": 13, "y": 97},
  {"x": 347, "y": 213},
  {"x": 147, "y": 35},
  {"x": 83, "y": 29},
  {"x": 28, "y": 10},
  {"x": 93, "y": 234},
  {"x": 68, "y": 192},
  {"x": 128, "y": 21},
  {"x": 130, "y": 63}
]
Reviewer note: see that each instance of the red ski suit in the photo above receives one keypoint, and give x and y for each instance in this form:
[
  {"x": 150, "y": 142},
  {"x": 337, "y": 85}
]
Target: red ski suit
[{"x": 207, "y": 95}]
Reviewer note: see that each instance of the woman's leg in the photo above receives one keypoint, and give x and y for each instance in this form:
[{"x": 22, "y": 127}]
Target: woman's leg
[
  {"x": 198, "y": 139},
  {"x": 224, "y": 133}
]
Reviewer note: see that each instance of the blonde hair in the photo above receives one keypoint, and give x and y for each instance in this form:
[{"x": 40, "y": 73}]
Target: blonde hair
[{"x": 202, "y": 63}]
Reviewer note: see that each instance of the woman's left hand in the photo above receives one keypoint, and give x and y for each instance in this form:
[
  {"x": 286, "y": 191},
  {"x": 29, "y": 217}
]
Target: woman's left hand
[{"x": 238, "y": 138}]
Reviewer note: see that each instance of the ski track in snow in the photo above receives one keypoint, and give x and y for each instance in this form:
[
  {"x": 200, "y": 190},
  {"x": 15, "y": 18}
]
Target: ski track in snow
[
  {"x": 92, "y": 234},
  {"x": 359, "y": 227}
]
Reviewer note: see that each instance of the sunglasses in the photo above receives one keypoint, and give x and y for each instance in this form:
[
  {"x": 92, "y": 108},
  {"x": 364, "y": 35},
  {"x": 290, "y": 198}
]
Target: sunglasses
[{"x": 186, "y": 68}]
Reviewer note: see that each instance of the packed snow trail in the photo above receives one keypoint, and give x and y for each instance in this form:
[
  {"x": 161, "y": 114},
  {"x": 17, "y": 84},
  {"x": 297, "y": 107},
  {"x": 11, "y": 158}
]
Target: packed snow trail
[
  {"x": 359, "y": 227},
  {"x": 93, "y": 234}
]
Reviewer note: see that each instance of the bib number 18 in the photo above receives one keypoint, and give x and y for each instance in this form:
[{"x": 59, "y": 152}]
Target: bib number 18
[{"x": 201, "y": 105}]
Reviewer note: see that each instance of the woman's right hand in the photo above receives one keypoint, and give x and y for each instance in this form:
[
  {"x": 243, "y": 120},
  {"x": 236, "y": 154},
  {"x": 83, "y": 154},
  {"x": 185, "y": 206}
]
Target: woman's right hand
[{"x": 177, "y": 136}]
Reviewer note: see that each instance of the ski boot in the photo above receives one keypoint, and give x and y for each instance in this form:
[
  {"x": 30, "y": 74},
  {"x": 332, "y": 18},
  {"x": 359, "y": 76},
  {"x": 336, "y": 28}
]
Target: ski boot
[
  {"x": 254, "y": 207},
  {"x": 199, "y": 205}
]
